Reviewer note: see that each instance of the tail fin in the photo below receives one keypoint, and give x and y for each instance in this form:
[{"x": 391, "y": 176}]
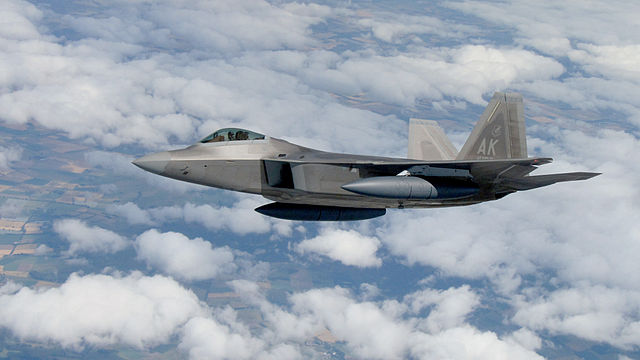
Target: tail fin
[
  {"x": 427, "y": 141},
  {"x": 500, "y": 132}
]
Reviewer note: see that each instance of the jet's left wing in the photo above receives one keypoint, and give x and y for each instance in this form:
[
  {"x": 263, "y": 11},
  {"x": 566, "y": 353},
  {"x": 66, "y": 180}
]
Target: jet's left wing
[
  {"x": 501, "y": 175},
  {"x": 532, "y": 182}
]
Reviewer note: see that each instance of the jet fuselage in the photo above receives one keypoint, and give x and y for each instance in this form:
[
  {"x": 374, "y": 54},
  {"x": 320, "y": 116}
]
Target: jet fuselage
[{"x": 308, "y": 184}]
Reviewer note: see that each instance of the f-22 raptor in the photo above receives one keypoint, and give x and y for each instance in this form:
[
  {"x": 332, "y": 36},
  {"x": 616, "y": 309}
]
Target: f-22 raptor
[{"x": 313, "y": 185}]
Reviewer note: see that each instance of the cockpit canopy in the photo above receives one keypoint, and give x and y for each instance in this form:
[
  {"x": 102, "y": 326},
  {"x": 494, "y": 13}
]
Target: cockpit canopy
[{"x": 232, "y": 134}]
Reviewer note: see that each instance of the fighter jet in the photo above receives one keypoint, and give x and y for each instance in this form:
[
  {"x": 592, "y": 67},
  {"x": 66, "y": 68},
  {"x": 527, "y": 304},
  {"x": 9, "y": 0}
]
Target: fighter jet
[{"x": 313, "y": 185}]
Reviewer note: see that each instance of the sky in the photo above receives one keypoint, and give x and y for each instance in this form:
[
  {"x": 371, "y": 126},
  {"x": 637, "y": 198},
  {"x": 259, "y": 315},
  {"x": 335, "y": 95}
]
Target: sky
[{"x": 126, "y": 78}]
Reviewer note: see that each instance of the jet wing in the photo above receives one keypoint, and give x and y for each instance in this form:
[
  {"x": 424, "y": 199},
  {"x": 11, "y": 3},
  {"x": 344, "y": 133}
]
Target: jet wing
[
  {"x": 506, "y": 175},
  {"x": 481, "y": 170},
  {"x": 532, "y": 182}
]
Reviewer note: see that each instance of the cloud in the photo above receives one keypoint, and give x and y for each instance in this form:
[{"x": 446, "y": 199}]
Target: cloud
[
  {"x": 604, "y": 77},
  {"x": 239, "y": 218},
  {"x": 83, "y": 238},
  {"x": 610, "y": 61},
  {"x": 131, "y": 212},
  {"x": 388, "y": 329},
  {"x": 560, "y": 258},
  {"x": 12, "y": 208},
  {"x": 114, "y": 78},
  {"x": 177, "y": 255},
  {"x": 527, "y": 338},
  {"x": 100, "y": 310},
  {"x": 347, "y": 246},
  {"x": 19, "y": 16},
  {"x": 596, "y": 313},
  {"x": 543, "y": 19},
  {"x": 449, "y": 307},
  {"x": 9, "y": 155},
  {"x": 465, "y": 72},
  {"x": 204, "y": 338},
  {"x": 43, "y": 249},
  {"x": 224, "y": 26},
  {"x": 117, "y": 81},
  {"x": 394, "y": 28}
]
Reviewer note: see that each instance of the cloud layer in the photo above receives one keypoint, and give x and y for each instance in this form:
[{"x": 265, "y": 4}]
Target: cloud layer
[
  {"x": 240, "y": 218},
  {"x": 347, "y": 246},
  {"x": 100, "y": 310},
  {"x": 560, "y": 260},
  {"x": 83, "y": 238},
  {"x": 183, "y": 258}
]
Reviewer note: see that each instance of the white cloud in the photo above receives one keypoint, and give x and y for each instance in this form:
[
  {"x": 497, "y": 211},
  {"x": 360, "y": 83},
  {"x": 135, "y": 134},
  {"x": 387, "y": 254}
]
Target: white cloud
[
  {"x": 17, "y": 20},
  {"x": 131, "y": 212},
  {"x": 177, "y": 255},
  {"x": 158, "y": 98},
  {"x": 347, "y": 246},
  {"x": 612, "y": 61},
  {"x": 239, "y": 218},
  {"x": 114, "y": 79},
  {"x": 83, "y": 238},
  {"x": 388, "y": 330},
  {"x": 139, "y": 74},
  {"x": 9, "y": 155},
  {"x": 527, "y": 338},
  {"x": 222, "y": 26},
  {"x": 604, "y": 77},
  {"x": 450, "y": 307},
  {"x": 390, "y": 27},
  {"x": 468, "y": 343},
  {"x": 595, "y": 313},
  {"x": 369, "y": 291},
  {"x": 466, "y": 72},
  {"x": 548, "y": 20},
  {"x": 100, "y": 310},
  {"x": 204, "y": 338},
  {"x": 12, "y": 208},
  {"x": 43, "y": 249}
]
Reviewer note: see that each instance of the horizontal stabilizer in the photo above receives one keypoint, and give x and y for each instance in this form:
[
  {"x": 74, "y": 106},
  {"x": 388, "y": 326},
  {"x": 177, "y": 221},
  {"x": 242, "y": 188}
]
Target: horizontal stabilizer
[
  {"x": 427, "y": 141},
  {"x": 532, "y": 182}
]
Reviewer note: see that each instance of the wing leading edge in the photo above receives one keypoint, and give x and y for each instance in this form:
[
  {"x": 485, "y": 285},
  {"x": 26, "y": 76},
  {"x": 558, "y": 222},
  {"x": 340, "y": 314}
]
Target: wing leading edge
[{"x": 532, "y": 182}]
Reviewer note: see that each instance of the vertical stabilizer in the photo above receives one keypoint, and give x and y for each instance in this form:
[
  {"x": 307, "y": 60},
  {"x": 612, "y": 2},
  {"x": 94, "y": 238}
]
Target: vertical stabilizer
[
  {"x": 427, "y": 141},
  {"x": 500, "y": 132}
]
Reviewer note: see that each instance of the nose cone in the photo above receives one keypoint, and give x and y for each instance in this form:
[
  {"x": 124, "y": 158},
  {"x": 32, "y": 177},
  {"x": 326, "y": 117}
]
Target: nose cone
[{"x": 155, "y": 163}]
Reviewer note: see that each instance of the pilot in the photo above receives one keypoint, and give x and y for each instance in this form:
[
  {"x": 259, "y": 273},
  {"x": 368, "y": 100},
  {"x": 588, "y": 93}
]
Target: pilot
[{"x": 242, "y": 135}]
